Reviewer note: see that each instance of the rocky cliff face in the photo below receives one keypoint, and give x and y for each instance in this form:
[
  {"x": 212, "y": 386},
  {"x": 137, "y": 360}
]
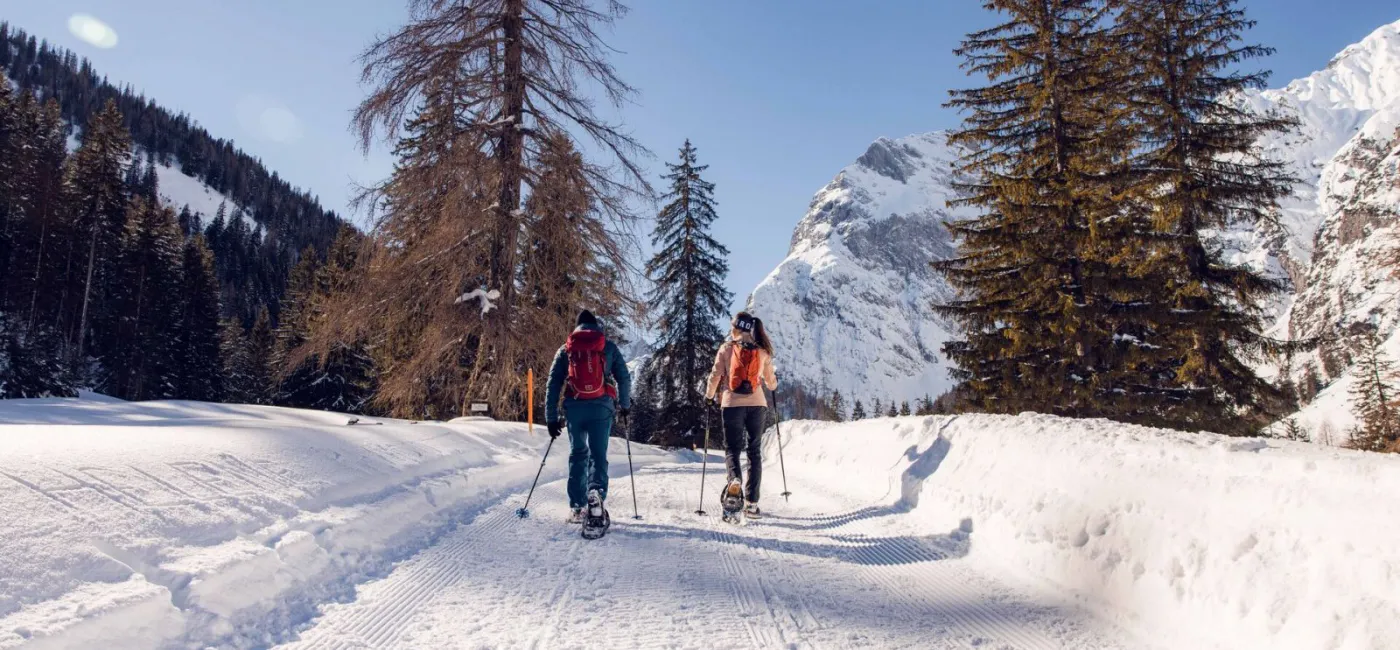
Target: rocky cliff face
[{"x": 849, "y": 308}]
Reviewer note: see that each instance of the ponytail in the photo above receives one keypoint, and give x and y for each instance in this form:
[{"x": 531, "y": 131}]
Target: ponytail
[{"x": 760, "y": 336}]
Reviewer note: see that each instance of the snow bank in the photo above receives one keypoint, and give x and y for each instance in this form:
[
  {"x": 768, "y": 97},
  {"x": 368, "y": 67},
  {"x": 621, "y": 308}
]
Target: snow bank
[
  {"x": 156, "y": 524},
  {"x": 1198, "y": 540}
]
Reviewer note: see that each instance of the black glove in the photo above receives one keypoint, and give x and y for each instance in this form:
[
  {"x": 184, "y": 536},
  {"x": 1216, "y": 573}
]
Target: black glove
[
  {"x": 624, "y": 412},
  {"x": 555, "y": 428}
]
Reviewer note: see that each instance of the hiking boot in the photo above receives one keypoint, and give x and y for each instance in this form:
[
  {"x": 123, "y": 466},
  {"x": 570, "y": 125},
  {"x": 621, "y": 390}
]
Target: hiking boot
[
  {"x": 576, "y": 516},
  {"x": 751, "y": 510}
]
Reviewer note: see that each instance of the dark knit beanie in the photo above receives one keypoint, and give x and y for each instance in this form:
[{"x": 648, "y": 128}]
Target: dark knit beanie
[{"x": 586, "y": 317}]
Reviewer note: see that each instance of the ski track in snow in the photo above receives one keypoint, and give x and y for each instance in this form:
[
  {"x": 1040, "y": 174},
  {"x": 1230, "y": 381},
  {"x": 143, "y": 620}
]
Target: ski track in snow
[{"x": 813, "y": 573}]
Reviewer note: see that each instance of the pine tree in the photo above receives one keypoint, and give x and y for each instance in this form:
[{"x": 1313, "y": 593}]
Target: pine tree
[
  {"x": 1375, "y": 399},
  {"x": 139, "y": 358},
  {"x": 260, "y": 345},
  {"x": 1294, "y": 431},
  {"x": 892, "y": 410},
  {"x": 31, "y": 363},
  {"x": 688, "y": 273},
  {"x": 1040, "y": 146},
  {"x": 196, "y": 350},
  {"x": 342, "y": 379},
  {"x": 876, "y": 409},
  {"x": 97, "y": 204},
  {"x": 40, "y": 264},
  {"x": 858, "y": 411},
  {"x": 642, "y": 426},
  {"x": 1196, "y": 169},
  {"x": 925, "y": 406},
  {"x": 237, "y": 374},
  {"x": 838, "y": 407},
  {"x": 904, "y": 408}
]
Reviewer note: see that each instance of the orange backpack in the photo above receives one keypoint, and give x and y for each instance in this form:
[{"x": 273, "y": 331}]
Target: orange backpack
[{"x": 745, "y": 364}]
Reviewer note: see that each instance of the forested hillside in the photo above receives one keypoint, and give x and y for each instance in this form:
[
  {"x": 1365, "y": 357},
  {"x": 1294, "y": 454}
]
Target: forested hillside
[
  {"x": 109, "y": 283},
  {"x": 253, "y": 270}
]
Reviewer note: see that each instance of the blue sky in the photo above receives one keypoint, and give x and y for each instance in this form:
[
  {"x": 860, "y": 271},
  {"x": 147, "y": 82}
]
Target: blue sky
[{"x": 778, "y": 95}]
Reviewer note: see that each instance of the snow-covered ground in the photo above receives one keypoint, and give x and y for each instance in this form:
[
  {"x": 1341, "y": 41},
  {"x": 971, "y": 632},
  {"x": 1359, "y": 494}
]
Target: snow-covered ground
[
  {"x": 177, "y": 524},
  {"x": 184, "y": 525},
  {"x": 1200, "y": 540}
]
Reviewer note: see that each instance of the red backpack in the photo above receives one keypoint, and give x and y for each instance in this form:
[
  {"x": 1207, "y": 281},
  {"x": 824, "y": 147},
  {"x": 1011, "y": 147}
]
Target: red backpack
[
  {"x": 744, "y": 366},
  {"x": 587, "y": 377}
]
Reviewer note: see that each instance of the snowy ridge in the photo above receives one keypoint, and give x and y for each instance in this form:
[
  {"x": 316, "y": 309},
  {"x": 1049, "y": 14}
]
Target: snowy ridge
[
  {"x": 849, "y": 308},
  {"x": 1331, "y": 106},
  {"x": 1199, "y": 540}
]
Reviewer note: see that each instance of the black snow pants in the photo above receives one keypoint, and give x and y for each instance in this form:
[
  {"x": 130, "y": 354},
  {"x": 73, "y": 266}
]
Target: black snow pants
[{"x": 743, "y": 430}]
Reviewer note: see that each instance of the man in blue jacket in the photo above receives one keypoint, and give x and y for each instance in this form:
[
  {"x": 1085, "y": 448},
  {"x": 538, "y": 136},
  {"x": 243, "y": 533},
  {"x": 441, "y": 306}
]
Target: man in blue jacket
[{"x": 593, "y": 376}]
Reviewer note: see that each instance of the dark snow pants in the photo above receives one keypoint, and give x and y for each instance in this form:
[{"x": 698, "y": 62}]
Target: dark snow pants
[
  {"x": 743, "y": 430},
  {"x": 588, "y": 453}
]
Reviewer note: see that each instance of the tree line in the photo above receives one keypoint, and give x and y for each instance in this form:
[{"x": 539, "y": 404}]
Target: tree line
[
  {"x": 106, "y": 287},
  {"x": 286, "y": 219}
]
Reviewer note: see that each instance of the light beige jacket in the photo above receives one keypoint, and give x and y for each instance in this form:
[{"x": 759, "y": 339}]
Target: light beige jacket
[{"x": 719, "y": 378}]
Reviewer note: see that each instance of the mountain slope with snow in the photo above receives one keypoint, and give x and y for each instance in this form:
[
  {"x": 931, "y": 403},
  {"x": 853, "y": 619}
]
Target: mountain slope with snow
[
  {"x": 1331, "y": 106},
  {"x": 848, "y": 309}
]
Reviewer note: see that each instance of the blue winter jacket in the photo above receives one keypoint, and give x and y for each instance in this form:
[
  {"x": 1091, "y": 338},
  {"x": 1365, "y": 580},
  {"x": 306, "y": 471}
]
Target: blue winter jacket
[{"x": 588, "y": 409}]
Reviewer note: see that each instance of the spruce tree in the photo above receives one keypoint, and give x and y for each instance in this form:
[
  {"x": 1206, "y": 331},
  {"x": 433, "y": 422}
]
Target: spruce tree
[
  {"x": 642, "y": 426},
  {"x": 1039, "y": 147},
  {"x": 40, "y": 264},
  {"x": 139, "y": 358},
  {"x": 892, "y": 410},
  {"x": 1196, "y": 169},
  {"x": 238, "y": 374},
  {"x": 341, "y": 379},
  {"x": 925, "y": 406},
  {"x": 1375, "y": 399},
  {"x": 858, "y": 411},
  {"x": 1292, "y": 430},
  {"x": 688, "y": 293},
  {"x": 196, "y": 351},
  {"x": 904, "y": 408},
  {"x": 877, "y": 409},
  {"x": 260, "y": 343},
  {"x": 838, "y": 407},
  {"x": 97, "y": 206}
]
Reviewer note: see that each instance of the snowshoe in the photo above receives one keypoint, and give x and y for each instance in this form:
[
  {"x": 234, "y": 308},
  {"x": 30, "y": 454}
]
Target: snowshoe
[
  {"x": 575, "y": 516},
  {"x": 751, "y": 511},
  {"x": 731, "y": 502},
  {"x": 595, "y": 517}
]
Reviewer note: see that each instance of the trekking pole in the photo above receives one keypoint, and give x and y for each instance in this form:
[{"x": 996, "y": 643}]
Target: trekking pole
[
  {"x": 524, "y": 510},
  {"x": 777, "y": 426},
  {"x": 704, "y": 462},
  {"x": 627, "y": 434}
]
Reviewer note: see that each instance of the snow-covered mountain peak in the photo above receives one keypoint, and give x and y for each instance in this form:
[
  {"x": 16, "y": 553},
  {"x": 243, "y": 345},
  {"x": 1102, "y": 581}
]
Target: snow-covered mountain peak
[
  {"x": 1365, "y": 75},
  {"x": 849, "y": 309},
  {"x": 903, "y": 177}
]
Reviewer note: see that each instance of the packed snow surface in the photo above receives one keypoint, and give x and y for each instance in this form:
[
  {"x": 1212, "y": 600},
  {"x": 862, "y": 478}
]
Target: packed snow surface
[
  {"x": 1206, "y": 541},
  {"x": 186, "y": 525},
  {"x": 180, "y": 524}
]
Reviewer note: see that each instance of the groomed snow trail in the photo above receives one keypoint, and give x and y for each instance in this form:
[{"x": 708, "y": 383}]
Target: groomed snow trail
[{"x": 818, "y": 572}]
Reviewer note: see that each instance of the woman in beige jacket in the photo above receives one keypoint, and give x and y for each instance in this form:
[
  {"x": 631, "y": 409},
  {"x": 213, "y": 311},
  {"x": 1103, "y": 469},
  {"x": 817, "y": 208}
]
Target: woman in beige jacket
[{"x": 743, "y": 367}]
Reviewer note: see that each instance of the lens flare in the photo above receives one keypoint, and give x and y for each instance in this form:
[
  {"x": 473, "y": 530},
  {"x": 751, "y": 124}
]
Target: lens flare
[
  {"x": 92, "y": 31},
  {"x": 268, "y": 119}
]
